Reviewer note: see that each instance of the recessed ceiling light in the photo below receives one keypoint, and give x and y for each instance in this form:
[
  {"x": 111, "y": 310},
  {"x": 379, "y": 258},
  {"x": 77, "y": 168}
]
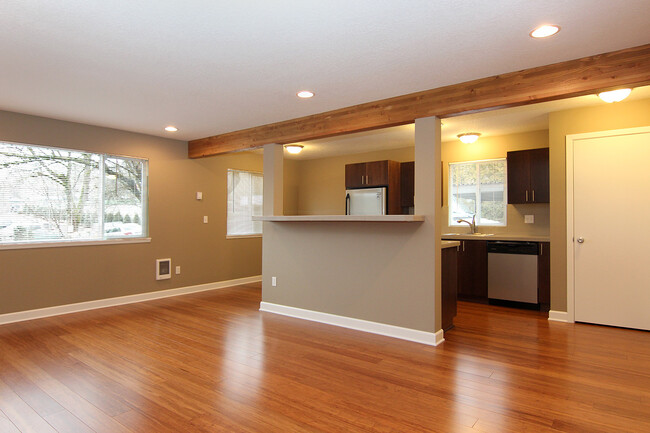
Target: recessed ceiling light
[
  {"x": 469, "y": 137},
  {"x": 171, "y": 128},
  {"x": 615, "y": 95},
  {"x": 294, "y": 148},
  {"x": 545, "y": 31},
  {"x": 305, "y": 94}
]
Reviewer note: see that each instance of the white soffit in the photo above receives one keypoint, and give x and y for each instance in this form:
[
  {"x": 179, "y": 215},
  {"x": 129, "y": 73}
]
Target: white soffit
[{"x": 214, "y": 66}]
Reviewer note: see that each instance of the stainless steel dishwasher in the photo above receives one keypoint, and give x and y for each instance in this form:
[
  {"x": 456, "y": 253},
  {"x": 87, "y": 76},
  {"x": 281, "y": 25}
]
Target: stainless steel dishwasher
[{"x": 512, "y": 271}]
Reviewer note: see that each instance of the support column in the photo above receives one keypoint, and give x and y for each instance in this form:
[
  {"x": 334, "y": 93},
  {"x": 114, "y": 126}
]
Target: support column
[
  {"x": 273, "y": 180},
  {"x": 428, "y": 179}
]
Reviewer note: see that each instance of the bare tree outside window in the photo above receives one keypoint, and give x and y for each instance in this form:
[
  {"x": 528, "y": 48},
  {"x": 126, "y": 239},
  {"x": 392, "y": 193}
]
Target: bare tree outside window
[{"x": 49, "y": 194}]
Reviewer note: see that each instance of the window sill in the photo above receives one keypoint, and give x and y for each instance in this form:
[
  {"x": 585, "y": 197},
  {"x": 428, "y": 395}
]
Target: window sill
[
  {"x": 243, "y": 236},
  {"x": 27, "y": 245}
]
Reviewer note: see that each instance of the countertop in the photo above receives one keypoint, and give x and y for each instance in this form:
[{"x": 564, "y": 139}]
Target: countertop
[
  {"x": 341, "y": 218},
  {"x": 449, "y": 244},
  {"x": 496, "y": 237}
]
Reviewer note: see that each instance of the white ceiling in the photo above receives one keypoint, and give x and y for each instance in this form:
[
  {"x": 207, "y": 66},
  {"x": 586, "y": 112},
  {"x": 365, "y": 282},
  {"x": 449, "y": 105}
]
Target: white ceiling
[
  {"x": 213, "y": 66},
  {"x": 489, "y": 123}
]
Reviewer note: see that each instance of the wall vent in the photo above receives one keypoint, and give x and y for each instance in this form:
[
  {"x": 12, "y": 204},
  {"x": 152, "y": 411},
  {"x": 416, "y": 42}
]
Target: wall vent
[{"x": 163, "y": 269}]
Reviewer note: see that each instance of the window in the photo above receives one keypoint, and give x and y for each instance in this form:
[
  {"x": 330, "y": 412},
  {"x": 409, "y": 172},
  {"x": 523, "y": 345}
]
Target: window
[
  {"x": 478, "y": 188},
  {"x": 52, "y": 194},
  {"x": 245, "y": 194}
]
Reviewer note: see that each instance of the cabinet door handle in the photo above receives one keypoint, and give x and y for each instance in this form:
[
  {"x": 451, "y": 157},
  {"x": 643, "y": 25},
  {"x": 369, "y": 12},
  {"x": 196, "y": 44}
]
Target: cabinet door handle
[
  {"x": 463, "y": 245},
  {"x": 526, "y": 195},
  {"x": 533, "y": 196},
  {"x": 541, "y": 249},
  {"x": 367, "y": 183},
  {"x": 361, "y": 179}
]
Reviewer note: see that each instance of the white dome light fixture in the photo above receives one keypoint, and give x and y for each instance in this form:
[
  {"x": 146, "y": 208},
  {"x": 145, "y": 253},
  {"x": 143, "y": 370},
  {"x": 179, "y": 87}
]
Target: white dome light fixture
[
  {"x": 469, "y": 137},
  {"x": 294, "y": 148},
  {"x": 305, "y": 94},
  {"x": 615, "y": 95},
  {"x": 171, "y": 128},
  {"x": 544, "y": 31}
]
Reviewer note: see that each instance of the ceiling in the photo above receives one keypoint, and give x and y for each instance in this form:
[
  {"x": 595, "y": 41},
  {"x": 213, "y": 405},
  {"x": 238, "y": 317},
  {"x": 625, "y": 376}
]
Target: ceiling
[
  {"x": 488, "y": 123},
  {"x": 211, "y": 66}
]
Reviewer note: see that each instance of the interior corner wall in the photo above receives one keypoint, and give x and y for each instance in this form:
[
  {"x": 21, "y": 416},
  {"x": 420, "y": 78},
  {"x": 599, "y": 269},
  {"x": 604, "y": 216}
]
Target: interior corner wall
[
  {"x": 620, "y": 115},
  {"x": 44, "y": 277}
]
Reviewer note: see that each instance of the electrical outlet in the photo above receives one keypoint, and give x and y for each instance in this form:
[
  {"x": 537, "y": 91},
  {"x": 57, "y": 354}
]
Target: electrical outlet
[
  {"x": 274, "y": 281},
  {"x": 178, "y": 270},
  {"x": 529, "y": 219},
  {"x": 205, "y": 219},
  {"x": 199, "y": 195}
]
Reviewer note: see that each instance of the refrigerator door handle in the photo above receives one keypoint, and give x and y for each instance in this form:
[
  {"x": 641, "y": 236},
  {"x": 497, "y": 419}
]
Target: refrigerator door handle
[{"x": 347, "y": 204}]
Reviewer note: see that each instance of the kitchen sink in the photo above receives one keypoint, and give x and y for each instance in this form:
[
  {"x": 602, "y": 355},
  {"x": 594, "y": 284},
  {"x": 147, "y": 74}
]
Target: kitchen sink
[{"x": 478, "y": 235}]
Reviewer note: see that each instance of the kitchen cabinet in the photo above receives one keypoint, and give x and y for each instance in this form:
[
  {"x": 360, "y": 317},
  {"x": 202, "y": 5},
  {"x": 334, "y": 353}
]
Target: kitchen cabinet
[
  {"x": 544, "y": 276},
  {"x": 528, "y": 176},
  {"x": 472, "y": 271},
  {"x": 377, "y": 174},
  {"x": 407, "y": 185},
  {"x": 449, "y": 261}
]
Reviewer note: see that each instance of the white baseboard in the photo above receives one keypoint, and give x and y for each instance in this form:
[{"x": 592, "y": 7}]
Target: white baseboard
[
  {"x": 21, "y": 316},
  {"x": 558, "y": 316},
  {"x": 429, "y": 338}
]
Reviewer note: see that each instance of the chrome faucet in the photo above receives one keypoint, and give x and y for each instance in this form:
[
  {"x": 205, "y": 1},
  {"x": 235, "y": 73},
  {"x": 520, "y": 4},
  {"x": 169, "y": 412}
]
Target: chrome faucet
[{"x": 472, "y": 225}]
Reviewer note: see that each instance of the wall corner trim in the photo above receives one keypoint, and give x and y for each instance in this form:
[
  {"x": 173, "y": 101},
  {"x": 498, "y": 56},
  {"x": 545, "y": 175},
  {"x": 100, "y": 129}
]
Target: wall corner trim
[
  {"x": 40, "y": 313},
  {"x": 558, "y": 316},
  {"x": 423, "y": 337}
]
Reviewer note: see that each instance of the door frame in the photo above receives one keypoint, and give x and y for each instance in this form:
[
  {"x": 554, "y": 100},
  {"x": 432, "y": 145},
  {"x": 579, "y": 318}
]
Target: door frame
[{"x": 570, "y": 265}]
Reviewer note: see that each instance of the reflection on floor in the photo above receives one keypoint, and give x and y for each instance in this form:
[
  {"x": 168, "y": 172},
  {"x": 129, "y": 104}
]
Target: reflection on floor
[{"x": 211, "y": 362}]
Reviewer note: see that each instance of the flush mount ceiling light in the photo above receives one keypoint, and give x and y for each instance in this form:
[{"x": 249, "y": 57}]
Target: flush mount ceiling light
[
  {"x": 469, "y": 137},
  {"x": 544, "y": 31},
  {"x": 171, "y": 128},
  {"x": 294, "y": 148},
  {"x": 305, "y": 94},
  {"x": 615, "y": 95}
]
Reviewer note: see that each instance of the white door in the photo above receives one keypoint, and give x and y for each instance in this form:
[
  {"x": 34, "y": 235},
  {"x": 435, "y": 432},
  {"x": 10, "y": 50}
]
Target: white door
[{"x": 611, "y": 228}]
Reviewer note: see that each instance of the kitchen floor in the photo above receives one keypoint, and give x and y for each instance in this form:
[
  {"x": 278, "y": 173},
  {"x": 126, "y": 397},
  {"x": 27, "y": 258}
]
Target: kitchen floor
[{"x": 212, "y": 362}]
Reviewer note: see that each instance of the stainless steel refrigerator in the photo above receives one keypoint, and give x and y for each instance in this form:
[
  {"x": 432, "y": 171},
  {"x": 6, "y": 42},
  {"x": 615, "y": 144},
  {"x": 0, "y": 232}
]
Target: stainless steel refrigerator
[{"x": 366, "y": 201}]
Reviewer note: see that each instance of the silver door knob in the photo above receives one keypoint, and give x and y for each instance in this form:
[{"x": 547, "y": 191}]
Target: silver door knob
[{"x": 581, "y": 240}]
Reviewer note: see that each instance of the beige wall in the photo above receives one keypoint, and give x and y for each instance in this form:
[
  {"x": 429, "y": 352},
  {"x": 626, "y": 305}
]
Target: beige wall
[
  {"x": 44, "y": 277},
  {"x": 318, "y": 185},
  {"x": 381, "y": 272},
  {"x": 599, "y": 118},
  {"x": 491, "y": 148}
]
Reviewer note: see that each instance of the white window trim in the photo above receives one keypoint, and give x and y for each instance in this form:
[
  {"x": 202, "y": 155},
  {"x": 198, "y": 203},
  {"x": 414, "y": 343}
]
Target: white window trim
[
  {"x": 242, "y": 236},
  {"x": 144, "y": 238},
  {"x": 450, "y": 223},
  {"x": 75, "y": 243}
]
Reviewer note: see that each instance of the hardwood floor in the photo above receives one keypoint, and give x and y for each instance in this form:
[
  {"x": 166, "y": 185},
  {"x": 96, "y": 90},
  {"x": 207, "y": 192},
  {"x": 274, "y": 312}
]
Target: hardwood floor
[{"x": 211, "y": 362}]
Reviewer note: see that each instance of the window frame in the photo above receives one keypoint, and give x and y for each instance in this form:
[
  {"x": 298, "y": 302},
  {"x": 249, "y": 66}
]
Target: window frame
[
  {"x": 243, "y": 235},
  {"x": 104, "y": 240},
  {"x": 450, "y": 221}
]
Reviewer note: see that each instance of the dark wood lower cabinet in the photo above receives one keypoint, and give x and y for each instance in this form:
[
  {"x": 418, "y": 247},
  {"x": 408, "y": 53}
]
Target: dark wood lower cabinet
[
  {"x": 472, "y": 271},
  {"x": 544, "y": 276},
  {"x": 449, "y": 286}
]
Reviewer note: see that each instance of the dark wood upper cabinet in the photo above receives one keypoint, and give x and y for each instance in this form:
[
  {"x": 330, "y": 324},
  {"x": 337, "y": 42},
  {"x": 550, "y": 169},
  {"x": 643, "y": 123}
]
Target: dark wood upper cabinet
[
  {"x": 355, "y": 175},
  {"x": 528, "y": 176},
  {"x": 377, "y": 174}
]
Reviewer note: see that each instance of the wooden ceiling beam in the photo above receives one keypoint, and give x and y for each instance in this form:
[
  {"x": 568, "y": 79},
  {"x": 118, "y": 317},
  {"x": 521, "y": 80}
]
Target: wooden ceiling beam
[{"x": 628, "y": 67}]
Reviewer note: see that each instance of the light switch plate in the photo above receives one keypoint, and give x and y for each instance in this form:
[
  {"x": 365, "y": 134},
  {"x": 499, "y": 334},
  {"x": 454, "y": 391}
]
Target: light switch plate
[
  {"x": 274, "y": 281},
  {"x": 199, "y": 195},
  {"x": 529, "y": 219},
  {"x": 178, "y": 270},
  {"x": 205, "y": 219}
]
